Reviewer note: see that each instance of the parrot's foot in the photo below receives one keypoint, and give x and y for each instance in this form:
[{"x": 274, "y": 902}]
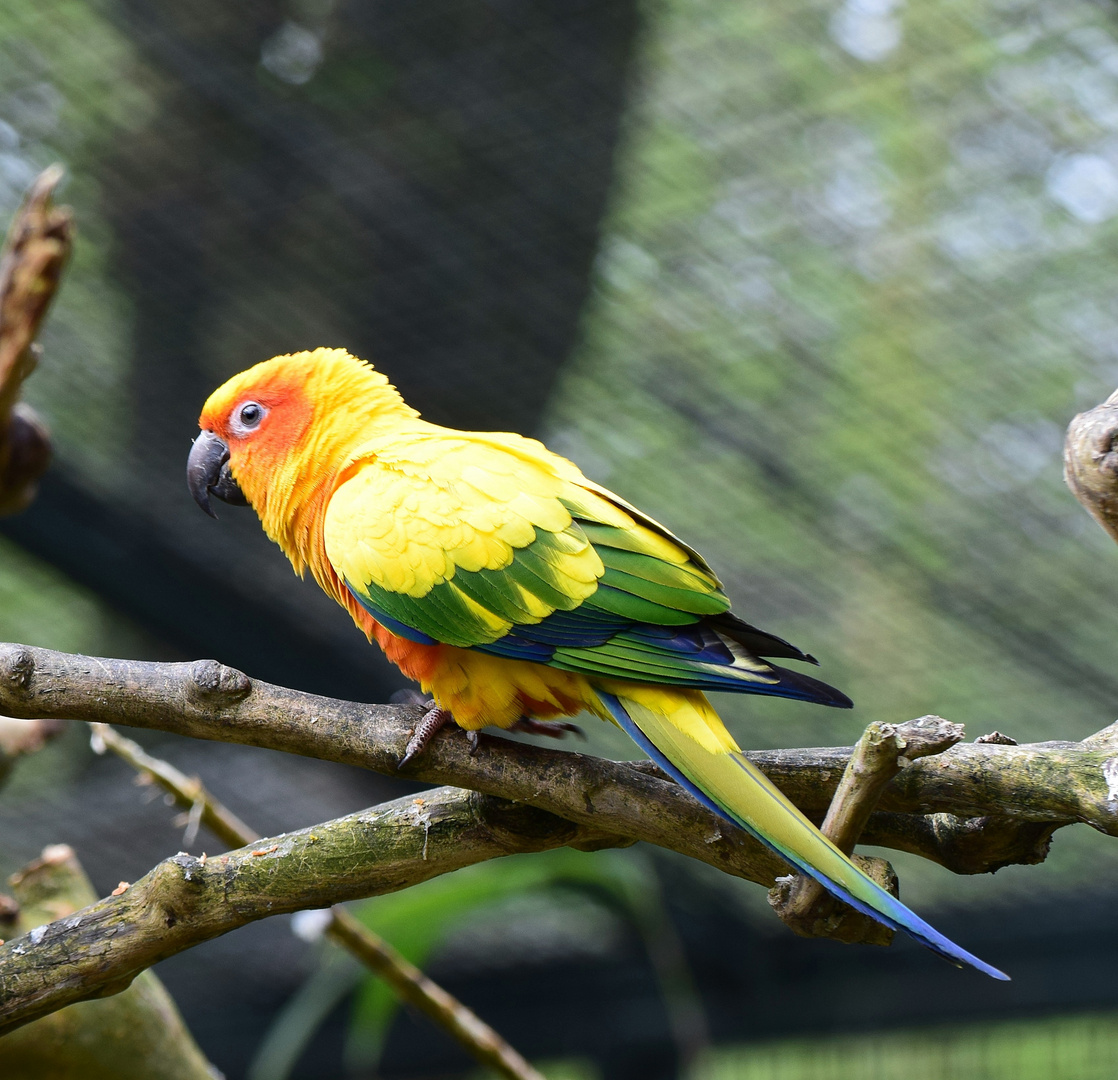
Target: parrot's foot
[
  {"x": 434, "y": 719},
  {"x": 553, "y": 729}
]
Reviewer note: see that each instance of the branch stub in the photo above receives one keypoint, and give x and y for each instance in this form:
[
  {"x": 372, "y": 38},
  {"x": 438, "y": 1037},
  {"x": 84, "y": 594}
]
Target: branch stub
[
  {"x": 17, "y": 666},
  {"x": 214, "y": 682}
]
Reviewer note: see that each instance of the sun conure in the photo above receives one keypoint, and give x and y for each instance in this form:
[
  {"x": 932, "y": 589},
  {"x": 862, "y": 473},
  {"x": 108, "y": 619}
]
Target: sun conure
[{"x": 512, "y": 588}]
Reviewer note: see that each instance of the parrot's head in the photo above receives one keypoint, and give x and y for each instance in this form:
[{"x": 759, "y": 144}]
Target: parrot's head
[{"x": 273, "y": 433}]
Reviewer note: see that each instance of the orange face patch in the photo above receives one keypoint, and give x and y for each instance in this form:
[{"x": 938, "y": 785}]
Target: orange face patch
[{"x": 287, "y": 414}]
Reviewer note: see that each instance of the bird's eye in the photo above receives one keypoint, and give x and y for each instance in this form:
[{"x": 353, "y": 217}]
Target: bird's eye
[{"x": 250, "y": 414}]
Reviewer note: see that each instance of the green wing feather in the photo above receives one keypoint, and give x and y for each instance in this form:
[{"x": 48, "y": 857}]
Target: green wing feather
[{"x": 484, "y": 537}]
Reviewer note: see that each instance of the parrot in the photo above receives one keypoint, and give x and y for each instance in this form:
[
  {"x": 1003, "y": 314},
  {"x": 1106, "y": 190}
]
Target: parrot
[{"x": 514, "y": 590}]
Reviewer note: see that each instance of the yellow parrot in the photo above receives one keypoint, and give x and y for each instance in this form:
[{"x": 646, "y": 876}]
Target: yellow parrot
[{"x": 513, "y": 589}]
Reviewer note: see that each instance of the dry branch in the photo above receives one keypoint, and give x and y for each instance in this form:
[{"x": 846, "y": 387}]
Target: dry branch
[
  {"x": 879, "y": 755},
  {"x": 1046, "y": 783},
  {"x": 31, "y": 264},
  {"x": 1053, "y": 783}
]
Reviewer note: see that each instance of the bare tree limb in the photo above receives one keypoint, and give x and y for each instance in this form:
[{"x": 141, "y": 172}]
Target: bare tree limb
[
  {"x": 31, "y": 264},
  {"x": 406, "y": 980},
  {"x": 973, "y": 805},
  {"x": 186, "y": 900}
]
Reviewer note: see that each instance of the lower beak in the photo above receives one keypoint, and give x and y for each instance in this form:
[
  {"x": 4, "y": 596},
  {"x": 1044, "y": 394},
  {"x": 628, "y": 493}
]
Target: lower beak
[{"x": 207, "y": 473}]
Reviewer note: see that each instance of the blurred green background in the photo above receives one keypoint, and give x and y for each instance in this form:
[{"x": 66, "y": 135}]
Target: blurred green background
[{"x": 819, "y": 285}]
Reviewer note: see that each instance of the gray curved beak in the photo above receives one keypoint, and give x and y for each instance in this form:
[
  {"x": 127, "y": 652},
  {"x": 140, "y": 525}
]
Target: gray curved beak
[{"x": 207, "y": 473}]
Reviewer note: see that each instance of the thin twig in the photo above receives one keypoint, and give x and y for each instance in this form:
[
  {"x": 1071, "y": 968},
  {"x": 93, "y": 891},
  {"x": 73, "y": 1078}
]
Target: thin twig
[
  {"x": 406, "y": 980},
  {"x": 412, "y": 986},
  {"x": 187, "y": 791}
]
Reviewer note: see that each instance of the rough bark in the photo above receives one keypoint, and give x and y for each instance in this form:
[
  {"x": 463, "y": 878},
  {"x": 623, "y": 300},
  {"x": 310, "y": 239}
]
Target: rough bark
[
  {"x": 882, "y": 751},
  {"x": 185, "y": 900},
  {"x": 973, "y": 807},
  {"x": 1053, "y": 782},
  {"x": 133, "y": 1036},
  {"x": 408, "y": 983}
]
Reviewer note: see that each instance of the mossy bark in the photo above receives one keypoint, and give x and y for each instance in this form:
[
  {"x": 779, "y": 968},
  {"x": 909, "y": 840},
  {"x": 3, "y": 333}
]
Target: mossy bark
[{"x": 185, "y": 900}]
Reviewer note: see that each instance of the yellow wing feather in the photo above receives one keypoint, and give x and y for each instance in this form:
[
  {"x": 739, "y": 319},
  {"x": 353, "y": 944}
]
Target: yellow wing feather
[{"x": 416, "y": 510}]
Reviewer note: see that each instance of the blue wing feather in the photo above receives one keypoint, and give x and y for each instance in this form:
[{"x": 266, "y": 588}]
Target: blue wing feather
[{"x": 594, "y": 642}]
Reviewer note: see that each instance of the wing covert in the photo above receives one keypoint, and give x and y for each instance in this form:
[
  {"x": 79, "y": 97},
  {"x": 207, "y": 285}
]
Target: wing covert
[
  {"x": 461, "y": 546},
  {"x": 492, "y": 542}
]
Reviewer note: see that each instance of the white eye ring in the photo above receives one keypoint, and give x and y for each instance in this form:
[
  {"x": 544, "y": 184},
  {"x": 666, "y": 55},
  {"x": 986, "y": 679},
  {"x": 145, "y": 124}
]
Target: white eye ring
[{"x": 247, "y": 417}]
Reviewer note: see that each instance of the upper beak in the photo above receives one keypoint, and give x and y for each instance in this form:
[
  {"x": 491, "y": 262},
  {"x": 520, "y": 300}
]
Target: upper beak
[{"x": 207, "y": 472}]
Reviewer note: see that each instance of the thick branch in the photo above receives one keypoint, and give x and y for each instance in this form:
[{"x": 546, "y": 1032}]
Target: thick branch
[
  {"x": 1019, "y": 793},
  {"x": 133, "y": 1036},
  {"x": 37, "y": 249},
  {"x": 406, "y": 980},
  {"x": 1051, "y": 783},
  {"x": 187, "y": 900}
]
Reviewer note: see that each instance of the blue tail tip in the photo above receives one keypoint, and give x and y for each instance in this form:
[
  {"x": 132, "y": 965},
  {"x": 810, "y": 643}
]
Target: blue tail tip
[{"x": 988, "y": 969}]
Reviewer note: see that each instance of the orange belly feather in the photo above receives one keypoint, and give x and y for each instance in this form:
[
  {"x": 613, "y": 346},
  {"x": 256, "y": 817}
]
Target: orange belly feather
[{"x": 480, "y": 689}]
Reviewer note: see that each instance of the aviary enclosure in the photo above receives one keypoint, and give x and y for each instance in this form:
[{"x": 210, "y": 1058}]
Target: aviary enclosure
[{"x": 820, "y": 285}]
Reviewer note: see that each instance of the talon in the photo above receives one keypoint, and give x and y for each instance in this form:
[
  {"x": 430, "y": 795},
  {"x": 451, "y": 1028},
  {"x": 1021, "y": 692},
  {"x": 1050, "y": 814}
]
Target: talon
[
  {"x": 472, "y": 738},
  {"x": 427, "y": 728},
  {"x": 553, "y": 729}
]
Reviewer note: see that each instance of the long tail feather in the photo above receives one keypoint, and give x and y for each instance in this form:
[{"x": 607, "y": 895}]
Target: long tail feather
[{"x": 690, "y": 744}]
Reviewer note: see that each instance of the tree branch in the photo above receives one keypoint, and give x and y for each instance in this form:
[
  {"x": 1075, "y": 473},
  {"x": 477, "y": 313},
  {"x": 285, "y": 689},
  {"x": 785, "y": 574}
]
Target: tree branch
[
  {"x": 974, "y": 807},
  {"x": 406, "y": 980},
  {"x": 883, "y": 750},
  {"x": 1055, "y": 783},
  {"x": 187, "y": 900}
]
